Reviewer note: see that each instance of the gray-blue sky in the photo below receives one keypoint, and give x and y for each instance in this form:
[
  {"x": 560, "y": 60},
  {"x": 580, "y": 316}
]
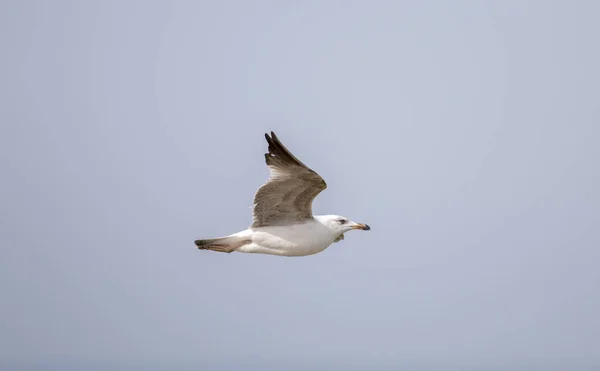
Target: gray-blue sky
[{"x": 465, "y": 133}]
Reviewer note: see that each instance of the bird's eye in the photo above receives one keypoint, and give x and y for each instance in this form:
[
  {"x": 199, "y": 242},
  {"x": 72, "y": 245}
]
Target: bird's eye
[{"x": 342, "y": 221}]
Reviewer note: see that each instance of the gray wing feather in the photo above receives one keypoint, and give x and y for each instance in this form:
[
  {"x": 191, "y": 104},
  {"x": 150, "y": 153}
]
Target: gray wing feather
[{"x": 288, "y": 194}]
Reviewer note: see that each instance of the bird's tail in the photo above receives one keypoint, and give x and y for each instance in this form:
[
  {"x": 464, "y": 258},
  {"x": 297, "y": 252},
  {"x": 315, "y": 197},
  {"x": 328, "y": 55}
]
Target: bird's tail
[{"x": 222, "y": 244}]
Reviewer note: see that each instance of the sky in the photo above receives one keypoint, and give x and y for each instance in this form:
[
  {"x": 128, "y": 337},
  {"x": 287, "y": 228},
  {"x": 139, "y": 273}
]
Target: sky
[{"x": 464, "y": 133}]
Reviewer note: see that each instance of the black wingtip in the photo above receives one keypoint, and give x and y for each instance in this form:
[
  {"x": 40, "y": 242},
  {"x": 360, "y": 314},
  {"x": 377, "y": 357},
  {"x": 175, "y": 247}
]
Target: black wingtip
[{"x": 269, "y": 140}]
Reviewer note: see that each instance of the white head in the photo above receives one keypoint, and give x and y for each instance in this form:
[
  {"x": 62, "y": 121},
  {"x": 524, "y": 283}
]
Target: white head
[{"x": 340, "y": 224}]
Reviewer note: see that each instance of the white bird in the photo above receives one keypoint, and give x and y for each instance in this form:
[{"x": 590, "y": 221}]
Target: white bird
[{"x": 283, "y": 223}]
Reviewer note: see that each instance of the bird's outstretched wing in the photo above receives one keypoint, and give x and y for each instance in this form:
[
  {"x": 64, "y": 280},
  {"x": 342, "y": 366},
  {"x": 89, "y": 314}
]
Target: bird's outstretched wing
[{"x": 287, "y": 196}]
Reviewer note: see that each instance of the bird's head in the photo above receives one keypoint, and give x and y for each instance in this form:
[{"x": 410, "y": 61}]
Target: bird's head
[{"x": 340, "y": 224}]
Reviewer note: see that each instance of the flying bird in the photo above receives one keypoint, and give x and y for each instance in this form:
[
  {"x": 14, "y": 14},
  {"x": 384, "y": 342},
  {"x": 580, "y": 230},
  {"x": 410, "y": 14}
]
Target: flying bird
[{"x": 283, "y": 223}]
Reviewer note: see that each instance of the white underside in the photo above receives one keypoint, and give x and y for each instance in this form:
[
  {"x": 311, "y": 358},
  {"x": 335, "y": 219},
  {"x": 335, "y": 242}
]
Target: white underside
[{"x": 294, "y": 240}]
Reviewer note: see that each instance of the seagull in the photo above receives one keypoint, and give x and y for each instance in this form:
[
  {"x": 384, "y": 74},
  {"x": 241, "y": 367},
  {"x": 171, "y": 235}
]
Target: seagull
[{"x": 283, "y": 223}]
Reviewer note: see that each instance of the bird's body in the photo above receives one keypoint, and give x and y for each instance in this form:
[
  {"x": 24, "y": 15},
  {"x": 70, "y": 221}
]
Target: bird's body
[
  {"x": 300, "y": 239},
  {"x": 283, "y": 221}
]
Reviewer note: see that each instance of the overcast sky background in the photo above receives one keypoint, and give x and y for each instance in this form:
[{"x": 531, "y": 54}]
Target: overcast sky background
[{"x": 465, "y": 133}]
